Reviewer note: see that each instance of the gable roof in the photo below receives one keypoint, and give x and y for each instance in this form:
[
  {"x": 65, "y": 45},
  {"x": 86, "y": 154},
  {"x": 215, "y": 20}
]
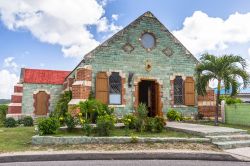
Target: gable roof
[
  {"x": 120, "y": 33},
  {"x": 39, "y": 76}
]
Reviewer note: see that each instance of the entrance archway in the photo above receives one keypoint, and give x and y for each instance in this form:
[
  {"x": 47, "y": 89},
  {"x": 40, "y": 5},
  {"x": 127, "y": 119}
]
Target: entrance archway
[
  {"x": 149, "y": 94},
  {"x": 41, "y": 103}
]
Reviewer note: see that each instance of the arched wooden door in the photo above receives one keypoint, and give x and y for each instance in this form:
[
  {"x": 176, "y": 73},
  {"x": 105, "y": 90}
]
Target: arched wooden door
[{"x": 41, "y": 103}]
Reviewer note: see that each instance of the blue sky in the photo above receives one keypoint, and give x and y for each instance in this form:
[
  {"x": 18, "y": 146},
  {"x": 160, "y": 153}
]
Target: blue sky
[{"x": 55, "y": 35}]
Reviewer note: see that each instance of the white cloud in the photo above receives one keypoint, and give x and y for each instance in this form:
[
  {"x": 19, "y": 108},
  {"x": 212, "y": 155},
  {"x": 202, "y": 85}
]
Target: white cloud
[
  {"x": 7, "y": 82},
  {"x": 9, "y": 63},
  {"x": 202, "y": 33},
  {"x": 115, "y": 17},
  {"x": 104, "y": 26},
  {"x": 249, "y": 51},
  {"x": 61, "y": 22}
]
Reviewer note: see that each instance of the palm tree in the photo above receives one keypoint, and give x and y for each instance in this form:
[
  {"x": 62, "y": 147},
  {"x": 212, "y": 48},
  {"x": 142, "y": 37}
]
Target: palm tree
[{"x": 227, "y": 70}]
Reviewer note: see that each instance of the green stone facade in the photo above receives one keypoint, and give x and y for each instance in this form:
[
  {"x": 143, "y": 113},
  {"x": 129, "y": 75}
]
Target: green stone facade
[
  {"x": 110, "y": 56},
  {"x": 29, "y": 89}
]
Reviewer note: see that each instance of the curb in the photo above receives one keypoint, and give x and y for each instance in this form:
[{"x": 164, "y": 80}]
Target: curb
[{"x": 119, "y": 156}]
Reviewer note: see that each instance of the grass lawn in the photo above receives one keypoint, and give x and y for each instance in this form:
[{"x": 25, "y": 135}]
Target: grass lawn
[
  {"x": 224, "y": 125},
  {"x": 121, "y": 132},
  {"x": 19, "y": 139}
]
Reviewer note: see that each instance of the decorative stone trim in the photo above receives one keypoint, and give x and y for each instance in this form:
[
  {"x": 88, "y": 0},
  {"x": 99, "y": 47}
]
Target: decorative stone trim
[
  {"x": 128, "y": 48},
  {"x": 15, "y": 104},
  {"x": 117, "y": 105},
  {"x": 39, "y": 90},
  {"x": 17, "y": 94},
  {"x": 50, "y": 140},
  {"x": 76, "y": 101}
]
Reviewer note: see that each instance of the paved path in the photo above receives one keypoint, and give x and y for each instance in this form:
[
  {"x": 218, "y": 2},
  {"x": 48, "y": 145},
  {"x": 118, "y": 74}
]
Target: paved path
[
  {"x": 130, "y": 162},
  {"x": 240, "y": 152},
  {"x": 203, "y": 130}
]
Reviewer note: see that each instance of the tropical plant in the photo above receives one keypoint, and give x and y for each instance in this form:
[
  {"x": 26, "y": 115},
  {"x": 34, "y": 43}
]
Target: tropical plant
[
  {"x": 62, "y": 105},
  {"x": 226, "y": 69},
  {"x": 230, "y": 99},
  {"x": 3, "y": 112},
  {"x": 174, "y": 115},
  {"x": 142, "y": 114},
  {"x": 70, "y": 122},
  {"x": 48, "y": 125}
]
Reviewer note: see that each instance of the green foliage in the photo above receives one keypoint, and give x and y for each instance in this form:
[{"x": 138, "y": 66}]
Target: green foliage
[
  {"x": 159, "y": 123},
  {"x": 230, "y": 100},
  {"x": 142, "y": 111},
  {"x": 70, "y": 122},
  {"x": 3, "y": 112},
  {"x": 87, "y": 129},
  {"x": 62, "y": 105},
  {"x": 105, "y": 123},
  {"x": 155, "y": 124},
  {"x": 48, "y": 125},
  {"x": 149, "y": 125},
  {"x": 174, "y": 115},
  {"x": 27, "y": 121},
  {"x": 10, "y": 122},
  {"x": 198, "y": 116},
  {"x": 129, "y": 120},
  {"x": 142, "y": 114},
  {"x": 93, "y": 108}
]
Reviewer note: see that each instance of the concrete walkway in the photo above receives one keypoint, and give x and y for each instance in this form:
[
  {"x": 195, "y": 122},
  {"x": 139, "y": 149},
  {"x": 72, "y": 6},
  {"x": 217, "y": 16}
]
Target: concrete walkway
[
  {"x": 231, "y": 140},
  {"x": 203, "y": 130}
]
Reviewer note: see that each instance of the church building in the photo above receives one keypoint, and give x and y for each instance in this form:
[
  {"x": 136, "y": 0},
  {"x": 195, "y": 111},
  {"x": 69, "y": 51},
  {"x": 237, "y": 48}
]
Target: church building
[{"x": 142, "y": 63}]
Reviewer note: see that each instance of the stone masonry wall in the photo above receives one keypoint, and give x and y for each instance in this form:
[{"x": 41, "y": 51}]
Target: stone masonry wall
[
  {"x": 29, "y": 89},
  {"x": 111, "y": 56}
]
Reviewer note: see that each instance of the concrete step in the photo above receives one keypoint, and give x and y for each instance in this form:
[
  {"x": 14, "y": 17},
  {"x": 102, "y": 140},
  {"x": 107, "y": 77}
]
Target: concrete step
[
  {"x": 233, "y": 144},
  {"x": 239, "y": 132},
  {"x": 237, "y": 137}
]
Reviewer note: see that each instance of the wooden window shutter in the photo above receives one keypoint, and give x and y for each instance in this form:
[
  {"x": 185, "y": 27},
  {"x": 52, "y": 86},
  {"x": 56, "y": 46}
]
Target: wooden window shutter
[
  {"x": 189, "y": 91},
  {"x": 101, "y": 87}
]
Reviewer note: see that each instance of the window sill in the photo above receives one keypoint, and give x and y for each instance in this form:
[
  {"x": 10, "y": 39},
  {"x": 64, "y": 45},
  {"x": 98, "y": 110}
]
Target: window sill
[
  {"x": 183, "y": 106},
  {"x": 111, "y": 105}
]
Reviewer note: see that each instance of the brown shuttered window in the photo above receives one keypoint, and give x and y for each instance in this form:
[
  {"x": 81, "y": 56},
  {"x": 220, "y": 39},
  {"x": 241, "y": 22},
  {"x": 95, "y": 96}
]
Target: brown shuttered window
[
  {"x": 189, "y": 92},
  {"x": 101, "y": 87}
]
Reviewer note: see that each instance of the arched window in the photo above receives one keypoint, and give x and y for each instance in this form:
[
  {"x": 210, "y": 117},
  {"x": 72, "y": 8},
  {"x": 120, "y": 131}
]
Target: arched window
[
  {"x": 115, "y": 87},
  {"x": 178, "y": 90}
]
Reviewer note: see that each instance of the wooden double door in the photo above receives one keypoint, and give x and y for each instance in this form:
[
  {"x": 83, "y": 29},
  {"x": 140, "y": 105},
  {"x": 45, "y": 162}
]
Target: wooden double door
[{"x": 149, "y": 93}]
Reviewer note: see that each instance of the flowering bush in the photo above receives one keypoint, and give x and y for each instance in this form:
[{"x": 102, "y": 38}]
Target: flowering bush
[
  {"x": 48, "y": 126},
  {"x": 105, "y": 123},
  {"x": 129, "y": 121}
]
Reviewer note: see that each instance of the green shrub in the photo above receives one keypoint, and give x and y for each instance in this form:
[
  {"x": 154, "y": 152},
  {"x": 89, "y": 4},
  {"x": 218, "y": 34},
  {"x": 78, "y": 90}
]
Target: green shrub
[
  {"x": 230, "y": 100},
  {"x": 48, "y": 125},
  {"x": 104, "y": 125},
  {"x": 27, "y": 121},
  {"x": 159, "y": 123},
  {"x": 142, "y": 114},
  {"x": 87, "y": 129},
  {"x": 3, "y": 112},
  {"x": 61, "y": 109},
  {"x": 129, "y": 121},
  {"x": 10, "y": 122},
  {"x": 173, "y": 115},
  {"x": 149, "y": 124},
  {"x": 92, "y": 108},
  {"x": 70, "y": 122}
]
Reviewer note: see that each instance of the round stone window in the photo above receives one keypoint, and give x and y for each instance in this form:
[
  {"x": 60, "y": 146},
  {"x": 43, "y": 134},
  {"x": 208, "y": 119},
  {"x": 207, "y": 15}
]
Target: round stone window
[{"x": 148, "y": 40}]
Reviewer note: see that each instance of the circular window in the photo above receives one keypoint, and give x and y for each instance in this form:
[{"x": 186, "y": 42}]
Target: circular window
[{"x": 148, "y": 40}]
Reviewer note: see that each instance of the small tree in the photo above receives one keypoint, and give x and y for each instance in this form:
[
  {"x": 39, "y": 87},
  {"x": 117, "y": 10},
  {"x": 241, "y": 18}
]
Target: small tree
[
  {"x": 62, "y": 104},
  {"x": 226, "y": 69}
]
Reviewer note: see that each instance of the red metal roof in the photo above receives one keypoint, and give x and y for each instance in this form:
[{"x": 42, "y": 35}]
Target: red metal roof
[{"x": 38, "y": 76}]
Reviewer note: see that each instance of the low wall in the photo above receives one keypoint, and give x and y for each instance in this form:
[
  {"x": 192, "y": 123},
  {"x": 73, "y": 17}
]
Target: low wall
[
  {"x": 51, "y": 140},
  {"x": 238, "y": 114}
]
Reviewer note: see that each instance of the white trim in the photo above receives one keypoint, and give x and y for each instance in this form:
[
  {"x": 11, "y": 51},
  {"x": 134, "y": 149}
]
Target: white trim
[
  {"x": 110, "y": 105},
  {"x": 19, "y": 85},
  {"x": 76, "y": 101},
  {"x": 15, "y": 104},
  {"x": 17, "y": 94},
  {"x": 89, "y": 67},
  {"x": 83, "y": 82}
]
